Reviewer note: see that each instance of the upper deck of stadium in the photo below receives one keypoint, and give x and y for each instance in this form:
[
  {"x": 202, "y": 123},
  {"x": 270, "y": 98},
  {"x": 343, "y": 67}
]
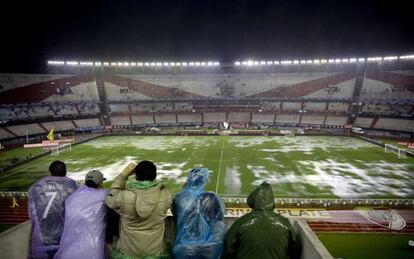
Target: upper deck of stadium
[{"x": 383, "y": 78}]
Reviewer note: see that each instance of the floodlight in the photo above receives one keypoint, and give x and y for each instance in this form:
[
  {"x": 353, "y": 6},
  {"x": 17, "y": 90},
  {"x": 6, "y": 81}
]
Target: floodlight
[
  {"x": 269, "y": 62},
  {"x": 361, "y": 59},
  {"x": 237, "y": 63},
  {"x": 303, "y": 61},
  {"x": 295, "y": 61},
  {"x": 262, "y": 62},
  {"x": 331, "y": 61},
  {"x": 166, "y": 64},
  {"x": 352, "y": 60},
  {"x": 209, "y": 63},
  {"x": 184, "y": 64}
]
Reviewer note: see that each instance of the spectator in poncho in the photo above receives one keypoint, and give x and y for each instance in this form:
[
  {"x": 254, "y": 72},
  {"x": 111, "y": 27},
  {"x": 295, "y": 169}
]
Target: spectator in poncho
[
  {"x": 200, "y": 230},
  {"x": 85, "y": 221},
  {"x": 262, "y": 233},
  {"x": 46, "y": 210},
  {"x": 142, "y": 206}
]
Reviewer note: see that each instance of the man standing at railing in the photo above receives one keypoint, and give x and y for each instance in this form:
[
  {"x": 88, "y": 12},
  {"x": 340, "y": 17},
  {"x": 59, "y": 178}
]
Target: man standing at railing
[{"x": 46, "y": 210}]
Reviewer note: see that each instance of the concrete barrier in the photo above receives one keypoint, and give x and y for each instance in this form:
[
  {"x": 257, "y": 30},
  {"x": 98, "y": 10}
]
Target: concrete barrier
[{"x": 14, "y": 242}]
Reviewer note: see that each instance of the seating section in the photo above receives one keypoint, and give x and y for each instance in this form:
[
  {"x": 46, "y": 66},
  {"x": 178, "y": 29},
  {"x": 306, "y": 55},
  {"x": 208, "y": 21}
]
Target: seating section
[
  {"x": 52, "y": 89},
  {"x": 287, "y": 118},
  {"x": 165, "y": 118},
  {"x": 214, "y": 117},
  {"x": 388, "y": 85},
  {"x": 118, "y": 93},
  {"x": 120, "y": 120},
  {"x": 239, "y": 117},
  {"x": 21, "y": 130},
  {"x": 314, "y": 106},
  {"x": 363, "y": 122},
  {"x": 58, "y": 125},
  {"x": 87, "y": 123},
  {"x": 88, "y": 109},
  {"x": 312, "y": 119},
  {"x": 395, "y": 124},
  {"x": 119, "y": 108},
  {"x": 14, "y": 113},
  {"x": 5, "y": 134},
  {"x": 189, "y": 117},
  {"x": 263, "y": 117},
  {"x": 336, "y": 120},
  {"x": 338, "y": 106},
  {"x": 142, "y": 119},
  {"x": 12, "y": 81},
  {"x": 292, "y": 106}
]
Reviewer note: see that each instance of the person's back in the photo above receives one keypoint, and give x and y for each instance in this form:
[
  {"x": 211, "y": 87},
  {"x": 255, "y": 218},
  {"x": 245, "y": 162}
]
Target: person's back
[
  {"x": 85, "y": 221},
  {"x": 46, "y": 210},
  {"x": 261, "y": 233},
  {"x": 200, "y": 230},
  {"x": 143, "y": 207}
]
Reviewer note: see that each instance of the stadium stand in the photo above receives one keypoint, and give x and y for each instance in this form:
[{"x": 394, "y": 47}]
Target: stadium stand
[
  {"x": 263, "y": 118},
  {"x": 165, "y": 118},
  {"x": 238, "y": 117},
  {"x": 120, "y": 120},
  {"x": 142, "y": 119},
  {"x": 336, "y": 120},
  {"x": 314, "y": 106},
  {"x": 118, "y": 93},
  {"x": 12, "y": 81},
  {"x": 87, "y": 123},
  {"x": 338, "y": 106},
  {"x": 363, "y": 122},
  {"x": 189, "y": 118},
  {"x": 58, "y": 125},
  {"x": 88, "y": 109},
  {"x": 292, "y": 106},
  {"x": 4, "y": 134},
  {"x": 115, "y": 108},
  {"x": 287, "y": 118},
  {"x": 395, "y": 124},
  {"x": 37, "y": 92},
  {"x": 214, "y": 117},
  {"x": 388, "y": 85},
  {"x": 149, "y": 89},
  {"x": 305, "y": 88},
  {"x": 312, "y": 119},
  {"x": 21, "y": 130}
]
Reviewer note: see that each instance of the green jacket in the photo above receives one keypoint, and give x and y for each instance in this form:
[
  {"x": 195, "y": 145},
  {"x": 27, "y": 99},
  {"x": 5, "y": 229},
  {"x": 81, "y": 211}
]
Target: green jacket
[
  {"x": 261, "y": 233},
  {"x": 143, "y": 209}
]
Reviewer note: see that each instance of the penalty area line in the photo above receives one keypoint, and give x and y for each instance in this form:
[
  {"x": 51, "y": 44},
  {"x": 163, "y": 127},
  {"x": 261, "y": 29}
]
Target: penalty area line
[{"x": 219, "y": 171}]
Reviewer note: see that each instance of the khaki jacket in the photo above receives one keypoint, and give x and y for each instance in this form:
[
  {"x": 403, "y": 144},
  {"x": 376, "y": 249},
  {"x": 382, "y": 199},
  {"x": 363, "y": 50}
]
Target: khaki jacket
[{"x": 142, "y": 214}]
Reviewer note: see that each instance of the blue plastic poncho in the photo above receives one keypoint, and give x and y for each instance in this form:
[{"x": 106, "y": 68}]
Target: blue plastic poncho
[
  {"x": 200, "y": 230},
  {"x": 85, "y": 224},
  {"x": 46, "y": 211}
]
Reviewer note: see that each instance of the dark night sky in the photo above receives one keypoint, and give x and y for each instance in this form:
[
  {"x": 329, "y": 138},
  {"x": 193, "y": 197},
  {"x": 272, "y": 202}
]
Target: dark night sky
[{"x": 221, "y": 30}]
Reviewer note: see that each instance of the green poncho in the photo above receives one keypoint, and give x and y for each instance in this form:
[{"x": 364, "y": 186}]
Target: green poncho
[{"x": 262, "y": 233}]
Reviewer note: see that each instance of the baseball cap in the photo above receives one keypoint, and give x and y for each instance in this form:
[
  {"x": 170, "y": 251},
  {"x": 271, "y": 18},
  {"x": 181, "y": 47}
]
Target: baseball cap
[{"x": 95, "y": 176}]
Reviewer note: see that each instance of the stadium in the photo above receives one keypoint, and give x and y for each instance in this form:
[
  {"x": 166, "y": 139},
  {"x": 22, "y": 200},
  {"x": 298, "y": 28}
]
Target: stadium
[
  {"x": 329, "y": 134},
  {"x": 320, "y": 107}
]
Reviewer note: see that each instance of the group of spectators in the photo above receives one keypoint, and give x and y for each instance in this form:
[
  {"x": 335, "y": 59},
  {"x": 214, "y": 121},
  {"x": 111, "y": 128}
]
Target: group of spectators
[{"x": 71, "y": 222}]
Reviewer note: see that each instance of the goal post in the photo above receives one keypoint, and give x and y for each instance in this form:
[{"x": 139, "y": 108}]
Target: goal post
[
  {"x": 61, "y": 148},
  {"x": 401, "y": 153}
]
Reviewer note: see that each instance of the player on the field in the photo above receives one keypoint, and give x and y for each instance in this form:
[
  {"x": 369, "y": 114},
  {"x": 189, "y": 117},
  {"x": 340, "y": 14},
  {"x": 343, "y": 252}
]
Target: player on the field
[
  {"x": 143, "y": 206},
  {"x": 85, "y": 221},
  {"x": 46, "y": 210}
]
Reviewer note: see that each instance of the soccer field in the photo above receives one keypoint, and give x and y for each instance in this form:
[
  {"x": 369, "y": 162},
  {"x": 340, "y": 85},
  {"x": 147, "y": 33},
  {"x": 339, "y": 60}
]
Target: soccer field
[{"x": 300, "y": 166}]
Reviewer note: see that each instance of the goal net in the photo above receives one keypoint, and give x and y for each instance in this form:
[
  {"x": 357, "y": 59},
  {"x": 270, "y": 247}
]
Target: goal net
[
  {"x": 61, "y": 148},
  {"x": 401, "y": 153}
]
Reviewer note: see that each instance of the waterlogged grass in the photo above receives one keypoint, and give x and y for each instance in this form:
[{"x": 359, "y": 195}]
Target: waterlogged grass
[
  {"x": 367, "y": 245},
  {"x": 295, "y": 166}
]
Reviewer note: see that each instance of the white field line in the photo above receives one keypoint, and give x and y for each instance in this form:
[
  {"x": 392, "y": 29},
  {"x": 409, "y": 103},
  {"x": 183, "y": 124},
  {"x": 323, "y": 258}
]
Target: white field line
[{"x": 219, "y": 171}]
